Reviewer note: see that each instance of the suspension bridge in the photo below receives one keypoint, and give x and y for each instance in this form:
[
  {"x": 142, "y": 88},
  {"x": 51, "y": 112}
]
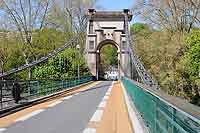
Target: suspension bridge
[{"x": 84, "y": 104}]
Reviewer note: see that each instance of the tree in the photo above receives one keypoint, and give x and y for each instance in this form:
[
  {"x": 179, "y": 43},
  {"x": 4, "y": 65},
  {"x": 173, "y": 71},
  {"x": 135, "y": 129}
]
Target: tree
[
  {"x": 38, "y": 27},
  {"x": 3, "y": 51},
  {"x": 192, "y": 57},
  {"x": 109, "y": 56},
  {"x": 68, "y": 16},
  {"x": 181, "y": 15},
  {"x": 46, "y": 40},
  {"x": 162, "y": 48},
  {"x": 189, "y": 67},
  {"x": 62, "y": 66},
  {"x": 137, "y": 27},
  {"x": 26, "y": 15},
  {"x": 3, "y": 56},
  {"x": 75, "y": 14}
]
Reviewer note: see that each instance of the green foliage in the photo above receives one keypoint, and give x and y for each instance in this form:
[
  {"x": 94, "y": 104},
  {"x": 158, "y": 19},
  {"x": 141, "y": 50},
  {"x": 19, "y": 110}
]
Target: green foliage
[
  {"x": 3, "y": 30},
  {"x": 50, "y": 29},
  {"x": 62, "y": 66},
  {"x": 15, "y": 59},
  {"x": 137, "y": 27},
  {"x": 192, "y": 57},
  {"x": 43, "y": 42},
  {"x": 109, "y": 55},
  {"x": 47, "y": 40},
  {"x": 11, "y": 55},
  {"x": 108, "y": 58},
  {"x": 191, "y": 64},
  {"x": 173, "y": 61}
]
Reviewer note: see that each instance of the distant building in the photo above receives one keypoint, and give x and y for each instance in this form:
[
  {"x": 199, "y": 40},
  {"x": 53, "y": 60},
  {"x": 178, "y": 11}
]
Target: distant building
[{"x": 111, "y": 74}]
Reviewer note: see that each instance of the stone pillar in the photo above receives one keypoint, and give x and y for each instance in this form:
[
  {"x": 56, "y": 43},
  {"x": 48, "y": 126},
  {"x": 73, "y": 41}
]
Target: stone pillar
[{"x": 106, "y": 27}]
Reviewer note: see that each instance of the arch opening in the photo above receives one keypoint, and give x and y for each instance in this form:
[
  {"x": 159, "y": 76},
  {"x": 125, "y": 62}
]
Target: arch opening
[{"x": 107, "y": 60}]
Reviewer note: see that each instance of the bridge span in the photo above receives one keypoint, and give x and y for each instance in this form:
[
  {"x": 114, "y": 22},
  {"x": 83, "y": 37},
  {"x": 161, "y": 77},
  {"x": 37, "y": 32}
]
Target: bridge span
[
  {"x": 81, "y": 104},
  {"x": 105, "y": 107},
  {"x": 97, "y": 107}
]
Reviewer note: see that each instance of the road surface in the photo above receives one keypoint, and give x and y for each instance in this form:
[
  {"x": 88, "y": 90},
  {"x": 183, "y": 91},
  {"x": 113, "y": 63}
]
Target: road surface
[{"x": 70, "y": 115}]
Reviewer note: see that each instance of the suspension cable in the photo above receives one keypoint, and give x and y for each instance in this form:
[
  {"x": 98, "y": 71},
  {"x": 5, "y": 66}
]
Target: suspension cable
[
  {"x": 47, "y": 57},
  {"x": 143, "y": 74}
]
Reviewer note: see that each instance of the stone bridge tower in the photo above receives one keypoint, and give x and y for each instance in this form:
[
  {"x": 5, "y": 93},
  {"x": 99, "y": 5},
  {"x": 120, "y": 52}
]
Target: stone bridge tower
[{"x": 106, "y": 27}]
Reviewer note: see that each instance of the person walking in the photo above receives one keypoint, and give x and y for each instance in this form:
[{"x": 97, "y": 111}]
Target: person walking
[{"x": 16, "y": 91}]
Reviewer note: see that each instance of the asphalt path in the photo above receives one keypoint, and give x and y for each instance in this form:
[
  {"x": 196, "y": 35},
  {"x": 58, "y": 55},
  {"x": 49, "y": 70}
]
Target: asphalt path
[{"x": 68, "y": 116}]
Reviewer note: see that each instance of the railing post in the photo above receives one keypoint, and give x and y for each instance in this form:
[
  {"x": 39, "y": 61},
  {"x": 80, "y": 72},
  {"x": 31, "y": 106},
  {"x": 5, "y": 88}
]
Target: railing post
[
  {"x": 45, "y": 90},
  {"x": 156, "y": 115},
  {"x": 1, "y": 86},
  {"x": 30, "y": 87},
  {"x": 29, "y": 84},
  {"x": 52, "y": 85},
  {"x": 173, "y": 119},
  {"x": 38, "y": 88},
  {"x": 63, "y": 85}
]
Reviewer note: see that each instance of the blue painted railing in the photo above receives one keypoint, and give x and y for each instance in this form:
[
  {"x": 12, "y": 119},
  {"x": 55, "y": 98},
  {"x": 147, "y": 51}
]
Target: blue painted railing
[{"x": 158, "y": 115}]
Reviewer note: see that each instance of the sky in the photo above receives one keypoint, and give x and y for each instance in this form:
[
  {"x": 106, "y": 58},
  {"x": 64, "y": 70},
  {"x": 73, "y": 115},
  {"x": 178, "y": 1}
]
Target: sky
[{"x": 114, "y": 4}]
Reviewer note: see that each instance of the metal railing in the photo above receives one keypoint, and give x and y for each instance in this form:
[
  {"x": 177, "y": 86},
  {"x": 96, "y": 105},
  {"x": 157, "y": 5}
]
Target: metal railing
[
  {"x": 33, "y": 89},
  {"x": 159, "y": 115}
]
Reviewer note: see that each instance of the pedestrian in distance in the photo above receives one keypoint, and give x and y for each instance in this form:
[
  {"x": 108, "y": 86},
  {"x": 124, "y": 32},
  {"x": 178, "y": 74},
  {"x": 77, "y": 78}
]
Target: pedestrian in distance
[{"x": 16, "y": 91}]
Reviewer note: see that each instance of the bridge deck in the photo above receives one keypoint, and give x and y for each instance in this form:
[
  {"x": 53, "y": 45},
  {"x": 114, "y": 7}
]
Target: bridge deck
[
  {"x": 93, "y": 108},
  {"x": 115, "y": 118}
]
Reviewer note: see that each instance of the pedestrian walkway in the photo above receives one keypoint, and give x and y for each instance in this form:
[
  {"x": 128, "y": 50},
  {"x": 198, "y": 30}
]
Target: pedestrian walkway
[
  {"x": 95, "y": 108},
  {"x": 111, "y": 115}
]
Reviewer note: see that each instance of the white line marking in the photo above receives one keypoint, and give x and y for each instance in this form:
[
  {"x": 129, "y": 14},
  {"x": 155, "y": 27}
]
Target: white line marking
[
  {"x": 2, "y": 130},
  {"x": 113, "y": 83},
  {"x": 54, "y": 104},
  {"x": 109, "y": 90},
  {"x": 67, "y": 97},
  {"x": 89, "y": 130},
  {"x": 76, "y": 94},
  {"x": 97, "y": 116},
  {"x": 102, "y": 104},
  {"x": 23, "y": 118},
  {"x": 105, "y": 97},
  {"x": 108, "y": 93}
]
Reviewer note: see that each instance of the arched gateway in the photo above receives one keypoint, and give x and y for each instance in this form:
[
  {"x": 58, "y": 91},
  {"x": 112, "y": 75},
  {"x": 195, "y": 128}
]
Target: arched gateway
[{"x": 106, "y": 27}]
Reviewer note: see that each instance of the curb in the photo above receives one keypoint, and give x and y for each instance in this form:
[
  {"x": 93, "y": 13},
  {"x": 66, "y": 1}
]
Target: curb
[{"x": 136, "y": 121}]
